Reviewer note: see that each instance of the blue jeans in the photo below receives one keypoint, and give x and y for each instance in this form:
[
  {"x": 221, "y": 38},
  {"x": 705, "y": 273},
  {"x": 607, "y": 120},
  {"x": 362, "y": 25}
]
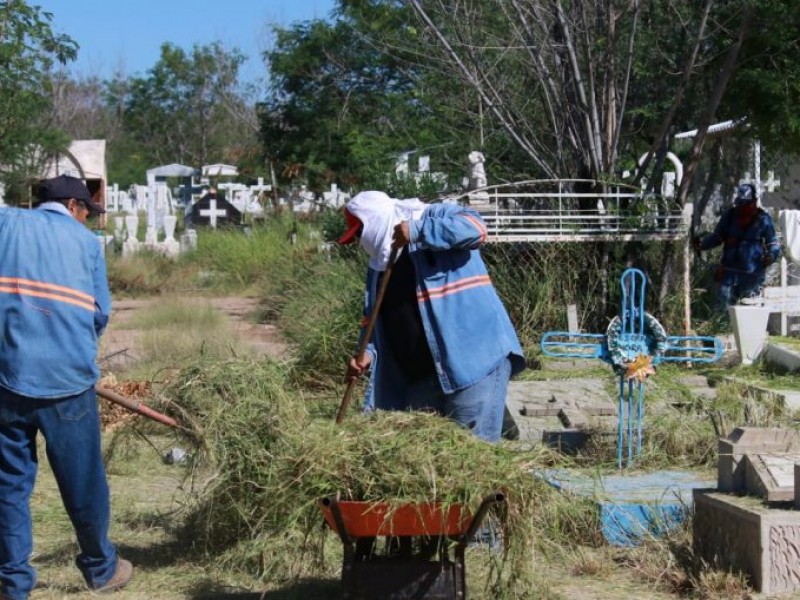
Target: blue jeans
[
  {"x": 478, "y": 408},
  {"x": 71, "y": 429},
  {"x": 735, "y": 286}
]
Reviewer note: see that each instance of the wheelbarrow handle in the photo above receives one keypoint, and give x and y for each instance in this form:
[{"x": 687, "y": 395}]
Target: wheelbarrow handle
[
  {"x": 477, "y": 520},
  {"x": 362, "y": 349}
]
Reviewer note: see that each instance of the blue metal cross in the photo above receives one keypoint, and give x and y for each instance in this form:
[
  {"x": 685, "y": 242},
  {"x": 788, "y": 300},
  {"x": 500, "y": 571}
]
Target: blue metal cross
[{"x": 633, "y": 340}]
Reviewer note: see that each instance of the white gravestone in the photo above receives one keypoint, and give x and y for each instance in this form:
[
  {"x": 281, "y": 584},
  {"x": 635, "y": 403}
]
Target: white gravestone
[
  {"x": 170, "y": 245},
  {"x": 131, "y": 245},
  {"x": 424, "y": 164},
  {"x": 189, "y": 240}
]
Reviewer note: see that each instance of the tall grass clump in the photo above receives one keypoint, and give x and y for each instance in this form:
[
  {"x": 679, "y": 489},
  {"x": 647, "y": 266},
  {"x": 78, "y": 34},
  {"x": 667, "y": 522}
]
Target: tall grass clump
[
  {"x": 271, "y": 464},
  {"x": 226, "y": 260},
  {"x": 234, "y": 260},
  {"x": 321, "y": 316},
  {"x": 536, "y": 282},
  {"x": 149, "y": 273}
]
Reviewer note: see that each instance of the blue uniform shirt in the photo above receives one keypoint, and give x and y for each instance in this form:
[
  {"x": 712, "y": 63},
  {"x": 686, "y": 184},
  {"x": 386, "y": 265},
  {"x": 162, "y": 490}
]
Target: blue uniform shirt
[
  {"x": 744, "y": 250},
  {"x": 465, "y": 323},
  {"x": 54, "y": 302}
]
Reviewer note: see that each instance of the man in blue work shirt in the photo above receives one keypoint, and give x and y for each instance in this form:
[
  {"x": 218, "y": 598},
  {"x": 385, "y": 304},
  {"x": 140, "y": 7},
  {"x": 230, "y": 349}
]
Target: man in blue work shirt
[
  {"x": 54, "y": 304},
  {"x": 749, "y": 246},
  {"x": 443, "y": 339}
]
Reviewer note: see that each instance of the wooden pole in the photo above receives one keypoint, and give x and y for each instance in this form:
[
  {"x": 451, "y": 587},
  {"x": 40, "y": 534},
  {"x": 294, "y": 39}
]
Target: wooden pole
[{"x": 362, "y": 349}]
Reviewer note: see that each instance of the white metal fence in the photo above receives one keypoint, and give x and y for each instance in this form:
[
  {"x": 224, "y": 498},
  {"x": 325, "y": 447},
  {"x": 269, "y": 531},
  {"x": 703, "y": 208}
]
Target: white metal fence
[{"x": 577, "y": 210}]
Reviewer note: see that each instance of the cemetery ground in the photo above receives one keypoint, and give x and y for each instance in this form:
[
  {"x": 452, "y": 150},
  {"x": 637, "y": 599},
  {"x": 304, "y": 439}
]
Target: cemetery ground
[
  {"x": 249, "y": 301},
  {"x": 148, "y": 494}
]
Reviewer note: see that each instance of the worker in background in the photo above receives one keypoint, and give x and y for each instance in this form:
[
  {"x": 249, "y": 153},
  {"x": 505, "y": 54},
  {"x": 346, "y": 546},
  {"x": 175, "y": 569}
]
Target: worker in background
[
  {"x": 749, "y": 245},
  {"x": 443, "y": 340},
  {"x": 54, "y": 304}
]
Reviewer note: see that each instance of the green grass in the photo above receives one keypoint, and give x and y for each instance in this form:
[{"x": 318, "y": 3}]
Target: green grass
[{"x": 174, "y": 331}]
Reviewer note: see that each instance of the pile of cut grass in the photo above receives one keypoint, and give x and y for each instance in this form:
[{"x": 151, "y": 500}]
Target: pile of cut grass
[{"x": 272, "y": 463}]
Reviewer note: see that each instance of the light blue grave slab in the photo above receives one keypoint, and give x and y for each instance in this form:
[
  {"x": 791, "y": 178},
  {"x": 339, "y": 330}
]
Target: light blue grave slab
[{"x": 634, "y": 506}]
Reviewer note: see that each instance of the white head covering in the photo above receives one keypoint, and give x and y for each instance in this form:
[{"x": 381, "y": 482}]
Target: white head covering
[{"x": 380, "y": 214}]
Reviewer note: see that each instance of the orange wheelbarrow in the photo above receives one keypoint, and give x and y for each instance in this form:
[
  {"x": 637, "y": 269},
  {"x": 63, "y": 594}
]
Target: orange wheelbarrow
[{"x": 404, "y": 552}]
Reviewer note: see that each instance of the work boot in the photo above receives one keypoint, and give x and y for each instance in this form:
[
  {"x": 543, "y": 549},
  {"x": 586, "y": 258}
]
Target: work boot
[{"x": 122, "y": 575}]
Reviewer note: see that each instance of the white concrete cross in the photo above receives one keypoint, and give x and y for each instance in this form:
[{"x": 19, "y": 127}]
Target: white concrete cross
[
  {"x": 761, "y": 186},
  {"x": 771, "y": 183},
  {"x": 261, "y": 187},
  {"x": 212, "y": 212}
]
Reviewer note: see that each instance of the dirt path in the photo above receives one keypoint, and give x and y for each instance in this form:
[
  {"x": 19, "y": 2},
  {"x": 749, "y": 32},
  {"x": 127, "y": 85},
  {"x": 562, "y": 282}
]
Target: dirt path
[{"x": 119, "y": 344}]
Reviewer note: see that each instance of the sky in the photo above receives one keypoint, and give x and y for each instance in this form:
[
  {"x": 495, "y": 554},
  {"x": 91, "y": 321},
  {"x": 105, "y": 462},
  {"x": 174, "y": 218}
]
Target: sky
[{"x": 125, "y": 36}]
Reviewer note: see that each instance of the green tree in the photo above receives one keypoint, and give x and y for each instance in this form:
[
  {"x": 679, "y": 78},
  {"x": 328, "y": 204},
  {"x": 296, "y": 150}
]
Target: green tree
[
  {"x": 340, "y": 109},
  {"x": 765, "y": 88},
  {"x": 28, "y": 50},
  {"x": 188, "y": 108}
]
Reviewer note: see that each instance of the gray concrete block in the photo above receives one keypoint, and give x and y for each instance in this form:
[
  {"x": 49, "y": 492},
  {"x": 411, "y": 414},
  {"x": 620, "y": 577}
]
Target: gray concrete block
[
  {"x": 741, "y": 534},
  {"x": 750, "y": 440},
  {"x": 782, "y": 356},
  {"x": 771, "y": 476}
]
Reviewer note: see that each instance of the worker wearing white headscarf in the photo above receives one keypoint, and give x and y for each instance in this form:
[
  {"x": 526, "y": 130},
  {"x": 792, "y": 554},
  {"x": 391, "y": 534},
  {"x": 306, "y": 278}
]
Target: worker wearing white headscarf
[{"x": 443, "y": 339}]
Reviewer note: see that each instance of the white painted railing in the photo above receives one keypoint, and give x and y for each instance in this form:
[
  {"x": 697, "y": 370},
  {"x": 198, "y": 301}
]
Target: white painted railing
[{"x": 551, "y": 211}]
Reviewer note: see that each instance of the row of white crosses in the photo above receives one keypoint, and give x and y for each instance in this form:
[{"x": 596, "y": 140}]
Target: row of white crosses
[{"x": 246, "y": 198}]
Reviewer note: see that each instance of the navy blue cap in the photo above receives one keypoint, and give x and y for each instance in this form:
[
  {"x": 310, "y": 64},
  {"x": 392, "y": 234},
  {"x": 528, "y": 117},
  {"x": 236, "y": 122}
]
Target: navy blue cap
[{"x": 65, "y": 187}]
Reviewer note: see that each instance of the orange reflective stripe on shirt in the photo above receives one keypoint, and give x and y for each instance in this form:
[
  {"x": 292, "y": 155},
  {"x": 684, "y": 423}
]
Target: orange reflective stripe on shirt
[
  {"x": 51, "y": 291},
  {"x": 454, "y": 288},
  {"x": 478, "y": 225}
]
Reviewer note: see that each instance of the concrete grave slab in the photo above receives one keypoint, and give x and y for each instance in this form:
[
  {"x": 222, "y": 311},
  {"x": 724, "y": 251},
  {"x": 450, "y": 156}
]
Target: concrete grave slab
[
  {"x": 693, "y": 381},
  {"x": 699, "y": 386},
  {"x": 750, "y": 440},
  {"x": 742, "y": 534},
  {"x": 633, "y": 506},
  {"x": 771, "y": 476},
  {"x": 560, "y": 413}
]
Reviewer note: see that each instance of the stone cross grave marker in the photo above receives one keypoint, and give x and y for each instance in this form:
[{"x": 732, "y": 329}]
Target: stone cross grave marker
[{"x": 212, "y": 212}]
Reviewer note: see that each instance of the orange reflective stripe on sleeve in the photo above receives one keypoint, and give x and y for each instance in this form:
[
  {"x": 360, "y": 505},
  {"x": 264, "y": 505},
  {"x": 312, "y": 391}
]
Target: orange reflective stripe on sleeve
[
  {"x": 51, "y": 291},
  {"x": 454, "y": 288},
  {"x": 478, "y": 225}
]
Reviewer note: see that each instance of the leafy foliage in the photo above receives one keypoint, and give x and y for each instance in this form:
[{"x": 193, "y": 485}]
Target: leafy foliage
[
  {"x": 28, "y": 50},
  {"x": 182, "y": 110}
]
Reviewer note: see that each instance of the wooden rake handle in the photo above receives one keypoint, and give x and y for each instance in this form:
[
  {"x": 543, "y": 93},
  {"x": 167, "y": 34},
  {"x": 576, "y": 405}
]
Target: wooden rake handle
[
  {"x": 362, "y": 349},
  {"x": 135, "y": 406}
]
